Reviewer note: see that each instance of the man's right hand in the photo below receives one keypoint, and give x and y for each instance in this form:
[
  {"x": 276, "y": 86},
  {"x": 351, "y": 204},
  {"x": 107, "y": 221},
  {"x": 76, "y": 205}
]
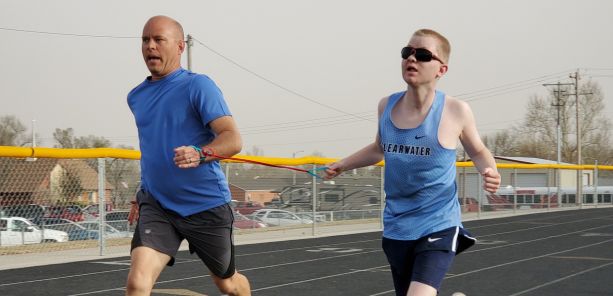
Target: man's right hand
[{"x": 333, "y": 170}]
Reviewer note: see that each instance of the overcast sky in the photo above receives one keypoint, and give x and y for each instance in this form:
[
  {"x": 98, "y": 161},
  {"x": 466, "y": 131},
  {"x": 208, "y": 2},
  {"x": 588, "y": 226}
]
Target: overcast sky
[{"x": 299, "y": 76}]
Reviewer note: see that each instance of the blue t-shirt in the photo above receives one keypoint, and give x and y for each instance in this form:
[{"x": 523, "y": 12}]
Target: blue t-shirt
[
  {"x": 420, "y": 189},
  {"x": 171, "y": 112}
]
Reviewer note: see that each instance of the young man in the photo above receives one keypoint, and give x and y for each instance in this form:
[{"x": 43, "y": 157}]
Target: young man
[
  {"x": 418, "y": 132},
  {"x": 181, "y": 118}
]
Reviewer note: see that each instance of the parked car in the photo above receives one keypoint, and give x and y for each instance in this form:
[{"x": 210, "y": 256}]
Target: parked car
[
  {"x": 109, "y": 231},
  {"x": 92, "y": 211},
  {"x": 119, "y": 220},
  {"x": 274, "y": 217},
  {"x": 309, "y": 216},
  {"x": 31, "y": 212},
  {"x": 246, "y": 207},
  {"x": 74, "y": 230},
  {"x": 73, "y": 213},
  {"x": 21, "y": 231},
  {"x": 242, "y": 222}
]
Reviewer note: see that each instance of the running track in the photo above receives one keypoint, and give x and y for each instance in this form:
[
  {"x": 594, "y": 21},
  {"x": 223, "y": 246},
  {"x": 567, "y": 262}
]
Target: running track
[{"x": 555, "y": 253}]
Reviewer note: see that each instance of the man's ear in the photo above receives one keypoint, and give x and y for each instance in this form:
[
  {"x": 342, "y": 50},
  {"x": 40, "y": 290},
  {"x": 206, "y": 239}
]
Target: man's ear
[
  {"x": 181, "y": 46},
  {"x": 441, "y": 71}
]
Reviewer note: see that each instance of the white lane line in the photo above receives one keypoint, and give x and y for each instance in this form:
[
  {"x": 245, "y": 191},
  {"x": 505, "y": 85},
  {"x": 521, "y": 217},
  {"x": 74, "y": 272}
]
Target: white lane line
[
  {"x": 528, "y": 259},
  {"x": 198, "y": 260},
  {"x": 63, "y": 277},
  {"x": 301, "y": 248},
  {"x": 242, "y": 270},
  {"x": 582, "y": 258},
  {"x": 561, "y": 279},
  {"x": 536, "y": 227},
  {"x": 519, "y": 261},
  {"x": 316, "y": 279},
  {"x": 383, "y": 293},
  {"x": 112, "y": 262},
  {"x": 177, "y": 292},
  {"x": 533, "y": 240},
  {"x": 540, "y": 219},
  {"x": 308, "y": 247}
]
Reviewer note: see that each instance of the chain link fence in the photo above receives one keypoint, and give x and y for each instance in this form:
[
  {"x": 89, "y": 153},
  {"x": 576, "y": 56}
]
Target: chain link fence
[{"x": 83, "y": 204}]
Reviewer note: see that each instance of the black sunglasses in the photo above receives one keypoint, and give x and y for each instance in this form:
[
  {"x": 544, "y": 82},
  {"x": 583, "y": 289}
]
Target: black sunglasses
[{"x": 421, "y": 54}]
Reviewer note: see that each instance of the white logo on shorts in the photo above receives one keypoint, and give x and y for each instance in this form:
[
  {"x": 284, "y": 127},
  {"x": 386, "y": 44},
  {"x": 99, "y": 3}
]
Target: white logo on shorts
[
  {"x": 147, "y": 231},
  {"x": 431, "y": 240}
]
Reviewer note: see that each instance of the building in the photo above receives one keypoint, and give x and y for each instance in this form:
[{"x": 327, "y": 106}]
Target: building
[
  {"x": 468, "y": 178},
  {"x": 49, "y": 182}
]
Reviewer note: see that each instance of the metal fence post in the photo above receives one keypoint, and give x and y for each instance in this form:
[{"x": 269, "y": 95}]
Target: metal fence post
[
  {"x": 314, "y": 196},
  {"x": 514, "y": 191},
  {"x": 596, "y": 183},
  {"x": 382, "y": 199},
  {"x": 228, "y": 172},
  {"x": 548, "y": 190},
  {"x": 479, "y": 195},
  {"x": 558, "y": 188},
  {"x": 101, "y": 205}
]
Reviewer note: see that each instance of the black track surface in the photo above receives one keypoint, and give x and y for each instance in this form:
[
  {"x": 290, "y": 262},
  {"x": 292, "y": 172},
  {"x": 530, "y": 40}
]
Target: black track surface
[{"x": 546, "y": 254}]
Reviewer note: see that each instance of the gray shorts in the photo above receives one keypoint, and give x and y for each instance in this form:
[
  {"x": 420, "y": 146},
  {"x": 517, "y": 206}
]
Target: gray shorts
[{"x": 209, "y": 233}]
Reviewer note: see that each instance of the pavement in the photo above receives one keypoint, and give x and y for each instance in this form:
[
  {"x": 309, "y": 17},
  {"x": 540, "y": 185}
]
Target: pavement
[
  {"x": 241, "y": 237},
  {"x": 529, "y": 253}
]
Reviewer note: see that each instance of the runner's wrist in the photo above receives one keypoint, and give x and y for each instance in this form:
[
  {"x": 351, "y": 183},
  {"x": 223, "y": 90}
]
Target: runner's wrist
[
  {"x": 201, "y": 153},
  {"x": 205, "y": 153}
]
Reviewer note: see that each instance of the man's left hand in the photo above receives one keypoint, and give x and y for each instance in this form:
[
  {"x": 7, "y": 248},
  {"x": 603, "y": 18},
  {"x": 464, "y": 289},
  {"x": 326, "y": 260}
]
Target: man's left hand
[
  {"x": 491, "y": 180},
  {"x": 186, "y": 157}
]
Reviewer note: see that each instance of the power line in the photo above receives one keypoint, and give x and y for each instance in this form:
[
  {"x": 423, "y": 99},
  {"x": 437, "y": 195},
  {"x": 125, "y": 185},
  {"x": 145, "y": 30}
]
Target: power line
[
  {"x": 299, "y": 127},
  {"x": 302, "y": 124},
  {"x": 510, "y": 88},
  {"x": 306, "y": 120},
  {"x": 68, "y": 34},
  {"x": 598, "y": 69},
  {"x": 482, "y": 94},
  {"x": 513, "y": 83},
  {"x": 318, "y": 141},
  {"x": 276, "y": 84}
]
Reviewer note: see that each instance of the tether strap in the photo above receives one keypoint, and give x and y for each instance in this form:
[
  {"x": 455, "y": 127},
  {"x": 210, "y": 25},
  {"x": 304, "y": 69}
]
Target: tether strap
[{"x": 310, "y": 172}]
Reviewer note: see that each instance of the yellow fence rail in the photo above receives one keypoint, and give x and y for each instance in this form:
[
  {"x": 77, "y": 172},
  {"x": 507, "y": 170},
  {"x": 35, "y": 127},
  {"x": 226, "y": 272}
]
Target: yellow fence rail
[{"x": 43, "y": 152}]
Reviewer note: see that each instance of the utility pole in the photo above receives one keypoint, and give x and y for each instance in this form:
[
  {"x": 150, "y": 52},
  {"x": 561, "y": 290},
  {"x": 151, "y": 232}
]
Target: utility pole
[
  {"x": 189, "y": 42},
  {"x": 294, "y": 172},
  {"x": 558, "y": 104},
  {"x": 579, "y": 195},
  {"x": 33, "y": 133},
  {"x": 33, "y": 140}
]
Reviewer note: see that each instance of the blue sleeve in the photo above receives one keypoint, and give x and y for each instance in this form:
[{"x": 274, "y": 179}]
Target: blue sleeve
[{"x": 207, "y": 99}]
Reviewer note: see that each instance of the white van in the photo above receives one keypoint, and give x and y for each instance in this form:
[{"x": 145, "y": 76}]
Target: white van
[{"x": 20, "y": 231}]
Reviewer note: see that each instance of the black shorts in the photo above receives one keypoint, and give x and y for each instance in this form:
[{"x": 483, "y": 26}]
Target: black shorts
[
  {"x": 425, "y": 260},
  {"x": 209, "y": 233}
]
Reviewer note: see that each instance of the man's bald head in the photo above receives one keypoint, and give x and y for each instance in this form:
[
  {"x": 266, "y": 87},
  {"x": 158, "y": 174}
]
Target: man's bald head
[
  {"x": 170, "y": 23},
  {"x": 162, "y": 46}
]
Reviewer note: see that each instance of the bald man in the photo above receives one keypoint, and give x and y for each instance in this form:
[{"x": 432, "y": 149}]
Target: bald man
[{"x": 182, "y": 120}]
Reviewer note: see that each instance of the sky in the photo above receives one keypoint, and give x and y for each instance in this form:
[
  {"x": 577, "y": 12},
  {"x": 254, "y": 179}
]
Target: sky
[{"x": 299, "y": 76}]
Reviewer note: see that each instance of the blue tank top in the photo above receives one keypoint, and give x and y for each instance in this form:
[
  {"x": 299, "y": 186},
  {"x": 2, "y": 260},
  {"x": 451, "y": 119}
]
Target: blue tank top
[{"x": 420, "y": 188}]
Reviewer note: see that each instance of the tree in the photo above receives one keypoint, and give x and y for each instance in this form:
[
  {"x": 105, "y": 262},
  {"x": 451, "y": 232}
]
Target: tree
[
  {"x": 536, "y": 136},
  {"x": 317, "y": 153},
  {"x": 124, "y": 175},
  {"x": 70, "y": 186},
  {"x": 92, "y": 141},
  {"x": 255, "y": 151},
  {"x": 12, "y": 131},
  {"x": 65, "y": 138},
  {"x": 503, "y": 143}
]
